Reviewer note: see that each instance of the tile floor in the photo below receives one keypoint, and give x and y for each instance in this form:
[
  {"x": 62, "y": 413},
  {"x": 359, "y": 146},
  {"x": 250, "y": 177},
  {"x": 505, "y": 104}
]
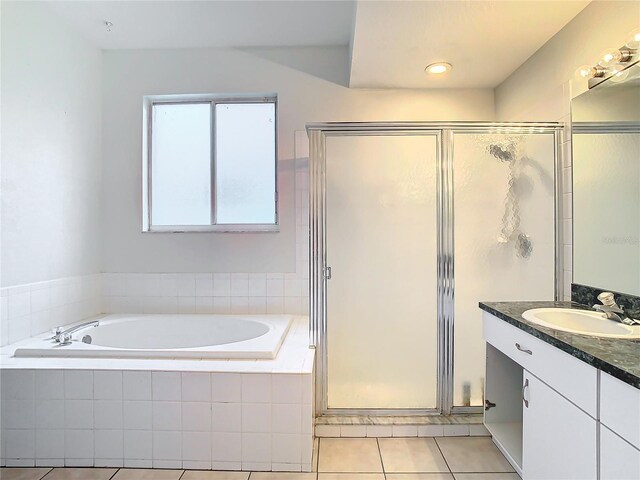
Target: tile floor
[{"x": 443, "y": 458}]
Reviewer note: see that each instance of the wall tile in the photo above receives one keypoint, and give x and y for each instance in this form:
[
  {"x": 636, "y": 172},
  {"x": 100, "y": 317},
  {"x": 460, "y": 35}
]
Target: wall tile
[
  {"x": 256, "y": 388},
  {"x": 167, "y": 386},
  {"x": 226, "y": 387},
  {"x": 78, "y": 414},
  {"x": 196, "y": 387},
  {"x": 49, "y": 414},
  {"x": 78, "y": 384},
  {"x": 137, "y": 415},
  {"x": 196, "y": 417},
  {"x": 226, "y": 447},
  {"x": 109, "y": 444},
  {"x": 226, "y": 417},
  {"x": 138, "y": 445},
  {"x": 107, "y": 384},
  {"x": 108, "y": 414},
  {"x": 136, "y": 385}
]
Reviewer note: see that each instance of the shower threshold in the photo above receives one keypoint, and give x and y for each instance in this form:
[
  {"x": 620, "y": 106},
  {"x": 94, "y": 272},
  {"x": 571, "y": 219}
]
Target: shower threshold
[
  {"x": 457, "y": 425},
  {"x": 456, "y": 419}
]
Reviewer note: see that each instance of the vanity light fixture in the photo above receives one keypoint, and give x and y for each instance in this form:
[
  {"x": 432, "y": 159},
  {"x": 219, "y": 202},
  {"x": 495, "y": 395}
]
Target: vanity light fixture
[
  {"x": 613, "y": 62},
  {"x": 438, "y": 68}
]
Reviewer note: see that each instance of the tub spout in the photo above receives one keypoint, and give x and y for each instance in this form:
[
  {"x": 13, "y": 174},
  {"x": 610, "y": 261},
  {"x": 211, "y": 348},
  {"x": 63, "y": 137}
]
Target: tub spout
[{"x": 63, "y": 337}]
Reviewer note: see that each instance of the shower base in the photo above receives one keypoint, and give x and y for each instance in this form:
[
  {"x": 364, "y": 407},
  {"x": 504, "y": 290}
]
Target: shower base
[{"x": 461, "y": 425}]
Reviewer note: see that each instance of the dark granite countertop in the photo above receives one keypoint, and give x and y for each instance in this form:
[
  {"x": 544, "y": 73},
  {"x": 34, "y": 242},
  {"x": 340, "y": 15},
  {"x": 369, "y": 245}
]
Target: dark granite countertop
[{"x": 619, "y": 358}]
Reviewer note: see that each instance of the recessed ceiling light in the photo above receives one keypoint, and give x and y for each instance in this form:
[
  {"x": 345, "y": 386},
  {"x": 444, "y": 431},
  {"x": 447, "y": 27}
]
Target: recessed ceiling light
[{"x": 438, "y": 68}]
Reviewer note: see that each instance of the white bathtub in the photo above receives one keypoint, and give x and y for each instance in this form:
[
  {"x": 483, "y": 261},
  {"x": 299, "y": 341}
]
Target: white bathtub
[{"x": 171, "y": 336}]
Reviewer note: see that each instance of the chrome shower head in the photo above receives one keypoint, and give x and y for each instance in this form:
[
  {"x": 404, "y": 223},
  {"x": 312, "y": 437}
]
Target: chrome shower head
[{"x": 501, "y": 153}]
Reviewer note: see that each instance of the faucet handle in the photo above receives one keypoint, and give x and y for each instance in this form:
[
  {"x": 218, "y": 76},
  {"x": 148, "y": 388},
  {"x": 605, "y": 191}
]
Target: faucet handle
[
  {"x": 608, "y": 299},
  {"x": 63, "y": 339},
  {"x": 55, "y": 332}
]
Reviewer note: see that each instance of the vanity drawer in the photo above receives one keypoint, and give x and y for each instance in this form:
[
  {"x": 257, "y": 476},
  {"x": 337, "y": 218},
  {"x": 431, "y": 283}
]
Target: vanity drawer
[
  {"x": 570, "y": 377},
  {"x": 620, "y": 408}
]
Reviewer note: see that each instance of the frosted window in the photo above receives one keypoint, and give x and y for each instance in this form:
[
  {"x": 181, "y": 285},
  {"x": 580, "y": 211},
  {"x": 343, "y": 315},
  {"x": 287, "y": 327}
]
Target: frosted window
[
  {"x": 245, "y": 163},
  {"x": 181, "y": 164},
  {"x": 212, "y": 164}
]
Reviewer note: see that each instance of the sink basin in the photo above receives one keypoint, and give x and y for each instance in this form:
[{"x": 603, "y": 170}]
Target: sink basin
[{"x": 584, "y": 322}]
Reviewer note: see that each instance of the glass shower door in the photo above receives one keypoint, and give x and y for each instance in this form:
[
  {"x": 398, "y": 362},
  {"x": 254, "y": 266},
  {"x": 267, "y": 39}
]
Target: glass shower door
[
  {"x": 381, "y": 247},
  {"x": 504, "y": 226}
]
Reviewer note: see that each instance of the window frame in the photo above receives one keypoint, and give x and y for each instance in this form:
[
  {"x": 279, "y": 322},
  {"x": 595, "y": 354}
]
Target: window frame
[{"x": 147, "y": 163}]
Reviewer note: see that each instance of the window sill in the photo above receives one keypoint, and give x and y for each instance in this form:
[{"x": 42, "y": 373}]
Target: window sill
[{"x": 235, "y": 228}]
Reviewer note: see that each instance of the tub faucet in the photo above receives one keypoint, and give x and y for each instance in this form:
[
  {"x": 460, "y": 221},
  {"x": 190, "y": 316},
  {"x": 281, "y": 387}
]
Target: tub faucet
[
  {"x": 612, "y": 310},
  {"x": 63, "y": 336}
]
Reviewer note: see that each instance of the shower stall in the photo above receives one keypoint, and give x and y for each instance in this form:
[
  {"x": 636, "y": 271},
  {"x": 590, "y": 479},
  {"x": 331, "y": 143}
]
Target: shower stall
[{"x": 412, "y": 224}]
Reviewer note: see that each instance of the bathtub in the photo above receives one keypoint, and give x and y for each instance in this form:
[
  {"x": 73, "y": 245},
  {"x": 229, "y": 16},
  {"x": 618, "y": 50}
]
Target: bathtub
[{"x": 170, "y": 336}]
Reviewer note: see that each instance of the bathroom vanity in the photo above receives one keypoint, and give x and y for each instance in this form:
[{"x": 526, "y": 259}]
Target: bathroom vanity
[{"x": 561, "y": 405}]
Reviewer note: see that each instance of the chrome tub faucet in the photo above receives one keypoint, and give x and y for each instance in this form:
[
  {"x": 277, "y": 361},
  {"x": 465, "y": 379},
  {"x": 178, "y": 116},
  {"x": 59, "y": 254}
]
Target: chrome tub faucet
[{"x": 63, "y": 336}]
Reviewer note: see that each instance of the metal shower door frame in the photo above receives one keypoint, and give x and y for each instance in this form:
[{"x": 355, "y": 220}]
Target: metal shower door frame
[{"x": 444, "y": 132}]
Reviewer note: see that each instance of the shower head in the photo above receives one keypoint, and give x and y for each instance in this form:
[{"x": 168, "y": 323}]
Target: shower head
[{"x": 504, "y": 154}]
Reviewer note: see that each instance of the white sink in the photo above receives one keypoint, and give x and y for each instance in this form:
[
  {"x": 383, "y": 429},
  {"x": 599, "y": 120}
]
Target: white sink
[{"x": 584, "y": 322}]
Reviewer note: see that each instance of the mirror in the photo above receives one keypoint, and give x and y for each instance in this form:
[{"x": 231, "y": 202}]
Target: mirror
[{"x": 606, "y": 184}]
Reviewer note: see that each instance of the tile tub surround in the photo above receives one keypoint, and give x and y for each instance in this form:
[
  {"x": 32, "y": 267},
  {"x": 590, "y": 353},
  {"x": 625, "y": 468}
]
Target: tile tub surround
[
  {"x": 190, "y": 414},
  {"x": 219, "y": 293},
  {"x": 618, "y": 357},
  {"x": 30, "y": 309}
]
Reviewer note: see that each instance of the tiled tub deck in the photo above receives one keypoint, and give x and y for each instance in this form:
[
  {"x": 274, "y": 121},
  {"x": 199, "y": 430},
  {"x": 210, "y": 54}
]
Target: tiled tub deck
[{"x": 189, "y": 414}]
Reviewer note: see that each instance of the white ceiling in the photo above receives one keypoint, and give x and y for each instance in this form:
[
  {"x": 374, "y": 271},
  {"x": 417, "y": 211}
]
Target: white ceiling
[
  {"x": 391, "y": 41},
  {"x": 485, "y": 41},
  {"x": 185, "y": 23}
]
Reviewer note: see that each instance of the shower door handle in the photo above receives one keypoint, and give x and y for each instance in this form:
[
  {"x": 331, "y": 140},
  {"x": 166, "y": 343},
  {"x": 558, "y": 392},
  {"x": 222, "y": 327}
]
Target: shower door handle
[{"x": 327, "y": 273}]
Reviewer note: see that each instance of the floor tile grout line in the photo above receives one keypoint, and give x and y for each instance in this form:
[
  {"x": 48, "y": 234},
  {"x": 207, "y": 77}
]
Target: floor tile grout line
[
  {"x": 46, "y": 474},
  {"x": 445, "y": 458},
  {"x": 384, "y": 474}
]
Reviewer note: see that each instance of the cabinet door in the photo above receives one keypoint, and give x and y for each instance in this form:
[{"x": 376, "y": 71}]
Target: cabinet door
[
  {"x": 559, "y": 439},
  {"x": 619, "y": 460}
]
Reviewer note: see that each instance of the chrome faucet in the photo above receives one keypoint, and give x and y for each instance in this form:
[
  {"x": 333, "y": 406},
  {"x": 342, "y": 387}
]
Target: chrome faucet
[
  {"x": 63, "y": 336},
  {"x": 612, "y": 310}
]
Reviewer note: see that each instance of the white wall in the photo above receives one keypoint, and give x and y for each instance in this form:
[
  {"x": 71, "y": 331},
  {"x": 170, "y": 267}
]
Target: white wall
[
  {"x": 51, "y": 122},
  {"x": 542, "y": 88},
  {"x": 304, "y": 95}
]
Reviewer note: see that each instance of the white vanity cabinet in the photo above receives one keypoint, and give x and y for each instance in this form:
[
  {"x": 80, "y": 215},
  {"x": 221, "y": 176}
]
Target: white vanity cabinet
[
  {"x": 619, "y": 429},
  {"x": 548, "y": 414},
  {"x": 559, "y": 439}
]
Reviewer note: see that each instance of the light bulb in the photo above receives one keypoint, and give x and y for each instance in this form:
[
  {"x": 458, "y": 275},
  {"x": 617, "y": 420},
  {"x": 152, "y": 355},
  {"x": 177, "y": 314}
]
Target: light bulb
[
  {"x": 614, "y": 55},
  {"x": 585, "y": 72},
  {"x": 610, "y": 57},
  {"x": 619, "y": 73},
  {"x": 634, "y": 40}
]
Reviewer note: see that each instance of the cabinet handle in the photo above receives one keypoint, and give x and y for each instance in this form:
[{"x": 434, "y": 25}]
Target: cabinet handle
[
  {"x": 524, "y": 387},
  {"x": 523, "y": 350}
]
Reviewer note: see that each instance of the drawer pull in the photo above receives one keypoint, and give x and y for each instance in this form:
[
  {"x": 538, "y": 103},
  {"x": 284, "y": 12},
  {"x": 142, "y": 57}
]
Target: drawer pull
[
  {"x": 523, "y": 350},
  {"x": 524, "y": 387}
]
